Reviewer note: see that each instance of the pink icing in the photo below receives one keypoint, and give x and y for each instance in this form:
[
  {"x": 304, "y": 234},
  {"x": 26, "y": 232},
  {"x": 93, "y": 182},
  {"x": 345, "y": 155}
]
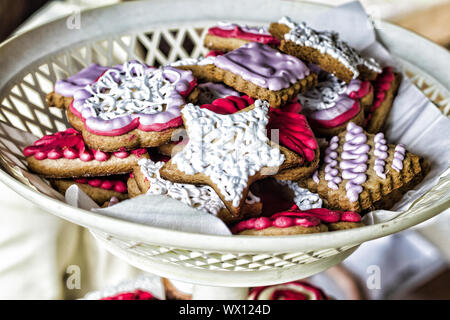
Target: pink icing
[
  {"x": 69, "y": 144},
  {"x": 169, "y": 118},
  {"x": 296, "y": 217},
  {"x": 358, "y": 89},
  {"x": 280, "y": 293},
  {"x": 380, "y": 86},
  {"x": 263, "y": 66},
  {"x": 134, "y": 295},
  {"x": 244, "y": 33},
  {"x": 214, "y": 53},
  {"x": 106, "y": 183}
]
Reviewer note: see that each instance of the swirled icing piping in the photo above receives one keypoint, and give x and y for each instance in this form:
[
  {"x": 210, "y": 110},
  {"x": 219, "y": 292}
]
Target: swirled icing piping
[
  {"x": 296, "y": 290},
  {"x": 331, "y": 172},
  {"x": 69, "y": 144},
  {"x": 200, "y": 197},
  {"x": 399, "y": 156},
  {"x": 105, "y": 183},
  {"x": 328, "y": 43},
  {"x": 134, "y": 97},
  {"x": 297, "y": 217},
  {"x": 381, "y": 85},
  {"x": 263, "y": 66},
  {"x": 232, "y": 30},
  {"x": 354, "y": 160},
  {"x": 303, "y": 198},
  {"x": 328, "y": 104},
  {"x": 194, "y": 61},
  {"x": 133, "y": 295},
  {"x": 381, "y": 155},
  {"x": 227, "y": 148}
]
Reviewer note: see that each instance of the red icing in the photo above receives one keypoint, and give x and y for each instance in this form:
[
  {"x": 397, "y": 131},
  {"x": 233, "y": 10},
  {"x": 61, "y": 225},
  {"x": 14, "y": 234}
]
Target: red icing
[
  {"x": 380, "y": 86},
  {"x": 173, "y": 123},
  {"x": 364, "y": 89},
  {"x": 69, "y": 144},
  {"x": 293, "y": 106},
  {"x": 286, "y": 294},
  {"x": 134, "y": 295},
  {"x": 214, "y": 53},
  {"x": 340, "y": 119},
  {"x": 238, "y": 33},
  {"x": 294, "y": 131},
  {"x": 106, "y": 183},
  {"x": 297, "y": 217}
]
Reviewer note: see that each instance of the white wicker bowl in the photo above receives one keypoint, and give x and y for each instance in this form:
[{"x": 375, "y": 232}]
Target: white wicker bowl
[{"x": 32, "y": 62}]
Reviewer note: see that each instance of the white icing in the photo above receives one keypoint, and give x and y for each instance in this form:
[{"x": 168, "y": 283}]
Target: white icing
[
  {"x": 200, "y": 197},
  {"x": 257, "y": 30},
  {"x": 303, "y": 198},
  {"x": 133, "y": 90},
  {"x": 193, "y": 61},
  {"x": 227, "y": 148},
  {"x": 324, "y": 95},
  {"x": 328, "y": 43}
]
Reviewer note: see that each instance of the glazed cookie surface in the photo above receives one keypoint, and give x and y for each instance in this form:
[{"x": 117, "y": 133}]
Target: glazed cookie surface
[
  {"x": 324, "y": 49},
  {"x": 65, "y": 155}
]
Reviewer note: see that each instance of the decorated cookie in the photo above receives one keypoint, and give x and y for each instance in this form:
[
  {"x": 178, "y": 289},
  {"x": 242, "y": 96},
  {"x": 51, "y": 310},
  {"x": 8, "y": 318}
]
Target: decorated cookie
[
  {"x": 211, "y": 91},
  {"x": 149, "y": 181},
  {"x": 286, "y": 127},
  {"x": 295, "y": 290},
  {"x": 324, "y": 49},
  {"x": 332, "y": 103},
  {"x": 296, "y": 221},
  {"x": 259, "y": 71},
  {"x": 229, "y": 152},
  {"x": 100, "y": 189},
  {"x": 361, "y": 172},
  {"x": 229, "y": 36},
  {"x": 132, "y": 295},
  {"x": 130, "y": 106},
  {"x": 385, "y": 89},
  {"x": 65, "y": 155}
]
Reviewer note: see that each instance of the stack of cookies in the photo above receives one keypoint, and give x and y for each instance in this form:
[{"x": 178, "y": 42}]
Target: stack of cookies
[{"x": 236, "y": 133}]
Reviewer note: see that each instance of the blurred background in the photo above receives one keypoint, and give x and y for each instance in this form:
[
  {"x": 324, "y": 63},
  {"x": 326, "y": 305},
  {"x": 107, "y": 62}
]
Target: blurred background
[{"x": 36, "y": 248}]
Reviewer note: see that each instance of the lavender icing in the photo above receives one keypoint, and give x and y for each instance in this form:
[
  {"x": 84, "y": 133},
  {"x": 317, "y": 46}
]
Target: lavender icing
[
  {"x": 399, "y": 156},
  {"x": 133, "y": 91},
  {"x": 381, "y": 155},
  {"x": 331, "y": 172},
  {"x": 263, "y": 66},
  {"x": 354, "y": 159},
  {"x": 88, "y": 75},
  {"x": 328, "y": 43}
]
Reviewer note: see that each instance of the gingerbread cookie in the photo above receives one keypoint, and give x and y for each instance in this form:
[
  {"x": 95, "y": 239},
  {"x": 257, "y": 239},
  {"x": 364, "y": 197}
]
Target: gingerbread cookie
[
  {"x": 385, "y": 89},
  {"x": 100, "y": 189},
  {"x": 131, "y": 106},
  {"x": 65, "y": 155},
  {"x": 229, "y": 152},
  {"x": 332, "y": 103},
  {"x": 147, "y": 178},
  {"x": 229, "y": 36},
  {"x": 360, "y": 172},
  {"x": 295, "y": 290},
  {"x": 259, "y": 71},
  {"x": 296, "y": 221},
  {"x": 324, "y": 49},
  {"x": 210, "y": 91}
]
